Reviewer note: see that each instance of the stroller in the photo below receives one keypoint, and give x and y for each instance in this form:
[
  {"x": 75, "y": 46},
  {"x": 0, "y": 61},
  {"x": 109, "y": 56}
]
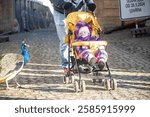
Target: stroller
[{"x": 76, "y": 61}]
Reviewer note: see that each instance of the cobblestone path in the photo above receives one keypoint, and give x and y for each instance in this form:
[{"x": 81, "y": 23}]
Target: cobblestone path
[{"x": 42, "y": 78}]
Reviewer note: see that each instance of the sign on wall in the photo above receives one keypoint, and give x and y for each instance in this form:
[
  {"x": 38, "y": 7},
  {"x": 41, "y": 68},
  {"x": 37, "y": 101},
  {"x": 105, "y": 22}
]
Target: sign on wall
[{"x": 134, "y": 9}]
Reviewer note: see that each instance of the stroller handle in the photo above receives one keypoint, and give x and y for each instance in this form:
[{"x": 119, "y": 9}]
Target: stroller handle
[{"x": 90, "y": 43}]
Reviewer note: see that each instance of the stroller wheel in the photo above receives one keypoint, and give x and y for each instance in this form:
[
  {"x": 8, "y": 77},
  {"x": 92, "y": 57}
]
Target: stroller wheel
[
  {"x": 100, "y": 81},
  {"x": 66, "y": 80},
  {"x": 76, "y": 86},
  {"x": 94, "y": 81},
  {"x": 113, "y": 84},
  {"x": 71, "y": 79},
  {"x": 107, "y": 84},
  {"x": 83, "y": 87}
]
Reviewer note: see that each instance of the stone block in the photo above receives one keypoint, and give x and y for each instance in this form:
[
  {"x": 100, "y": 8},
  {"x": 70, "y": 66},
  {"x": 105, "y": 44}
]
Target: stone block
[
  {"x": 111, "y": 13},
  {"x": 111, "y": 4},
  {"x": 107, "y": 23},
  {"x": 147, "y": 23}
]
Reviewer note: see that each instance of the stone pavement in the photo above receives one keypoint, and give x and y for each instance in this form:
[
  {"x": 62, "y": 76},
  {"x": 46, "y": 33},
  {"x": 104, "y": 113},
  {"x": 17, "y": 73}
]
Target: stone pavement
[{"x": 42, "y": 78}]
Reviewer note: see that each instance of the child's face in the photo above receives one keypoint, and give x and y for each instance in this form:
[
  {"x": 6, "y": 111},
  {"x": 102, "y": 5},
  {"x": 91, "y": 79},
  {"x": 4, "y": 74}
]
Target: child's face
[{"x": 84, "y": 31}]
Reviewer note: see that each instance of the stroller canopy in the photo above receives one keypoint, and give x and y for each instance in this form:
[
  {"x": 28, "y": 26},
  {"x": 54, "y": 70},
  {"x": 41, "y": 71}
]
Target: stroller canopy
[{"x": 74, "y": 17}]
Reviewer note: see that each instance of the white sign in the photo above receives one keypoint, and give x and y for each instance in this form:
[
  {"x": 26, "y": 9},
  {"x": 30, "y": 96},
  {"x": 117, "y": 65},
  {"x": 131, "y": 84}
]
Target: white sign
[{"x": 131, "y": 9}]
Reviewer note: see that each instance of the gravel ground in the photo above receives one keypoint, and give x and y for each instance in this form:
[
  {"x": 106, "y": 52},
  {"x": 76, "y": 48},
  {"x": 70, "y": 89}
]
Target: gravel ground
[{"x": 42, "y": 78}]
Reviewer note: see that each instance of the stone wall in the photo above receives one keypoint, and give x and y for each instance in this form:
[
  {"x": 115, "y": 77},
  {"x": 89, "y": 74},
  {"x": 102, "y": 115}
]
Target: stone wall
[
  {"x": 39, "y": 16},
  {"x": 36, "y": 15},
  {"x": 6, "y": 15},
  {"x": 107, "y": 13}
]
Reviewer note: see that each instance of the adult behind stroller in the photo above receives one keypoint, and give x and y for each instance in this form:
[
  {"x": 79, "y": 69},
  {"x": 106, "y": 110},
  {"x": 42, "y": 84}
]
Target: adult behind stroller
[{"x": 76, "y": 61}]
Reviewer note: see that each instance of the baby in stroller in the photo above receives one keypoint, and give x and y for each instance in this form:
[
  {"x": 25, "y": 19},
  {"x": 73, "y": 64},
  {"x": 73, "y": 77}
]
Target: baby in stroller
[{"x": 96, "y": 57}]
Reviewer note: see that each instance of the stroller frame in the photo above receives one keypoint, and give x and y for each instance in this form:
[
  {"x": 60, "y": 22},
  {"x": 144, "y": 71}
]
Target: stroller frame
[{"x": 80, "y": 84}]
